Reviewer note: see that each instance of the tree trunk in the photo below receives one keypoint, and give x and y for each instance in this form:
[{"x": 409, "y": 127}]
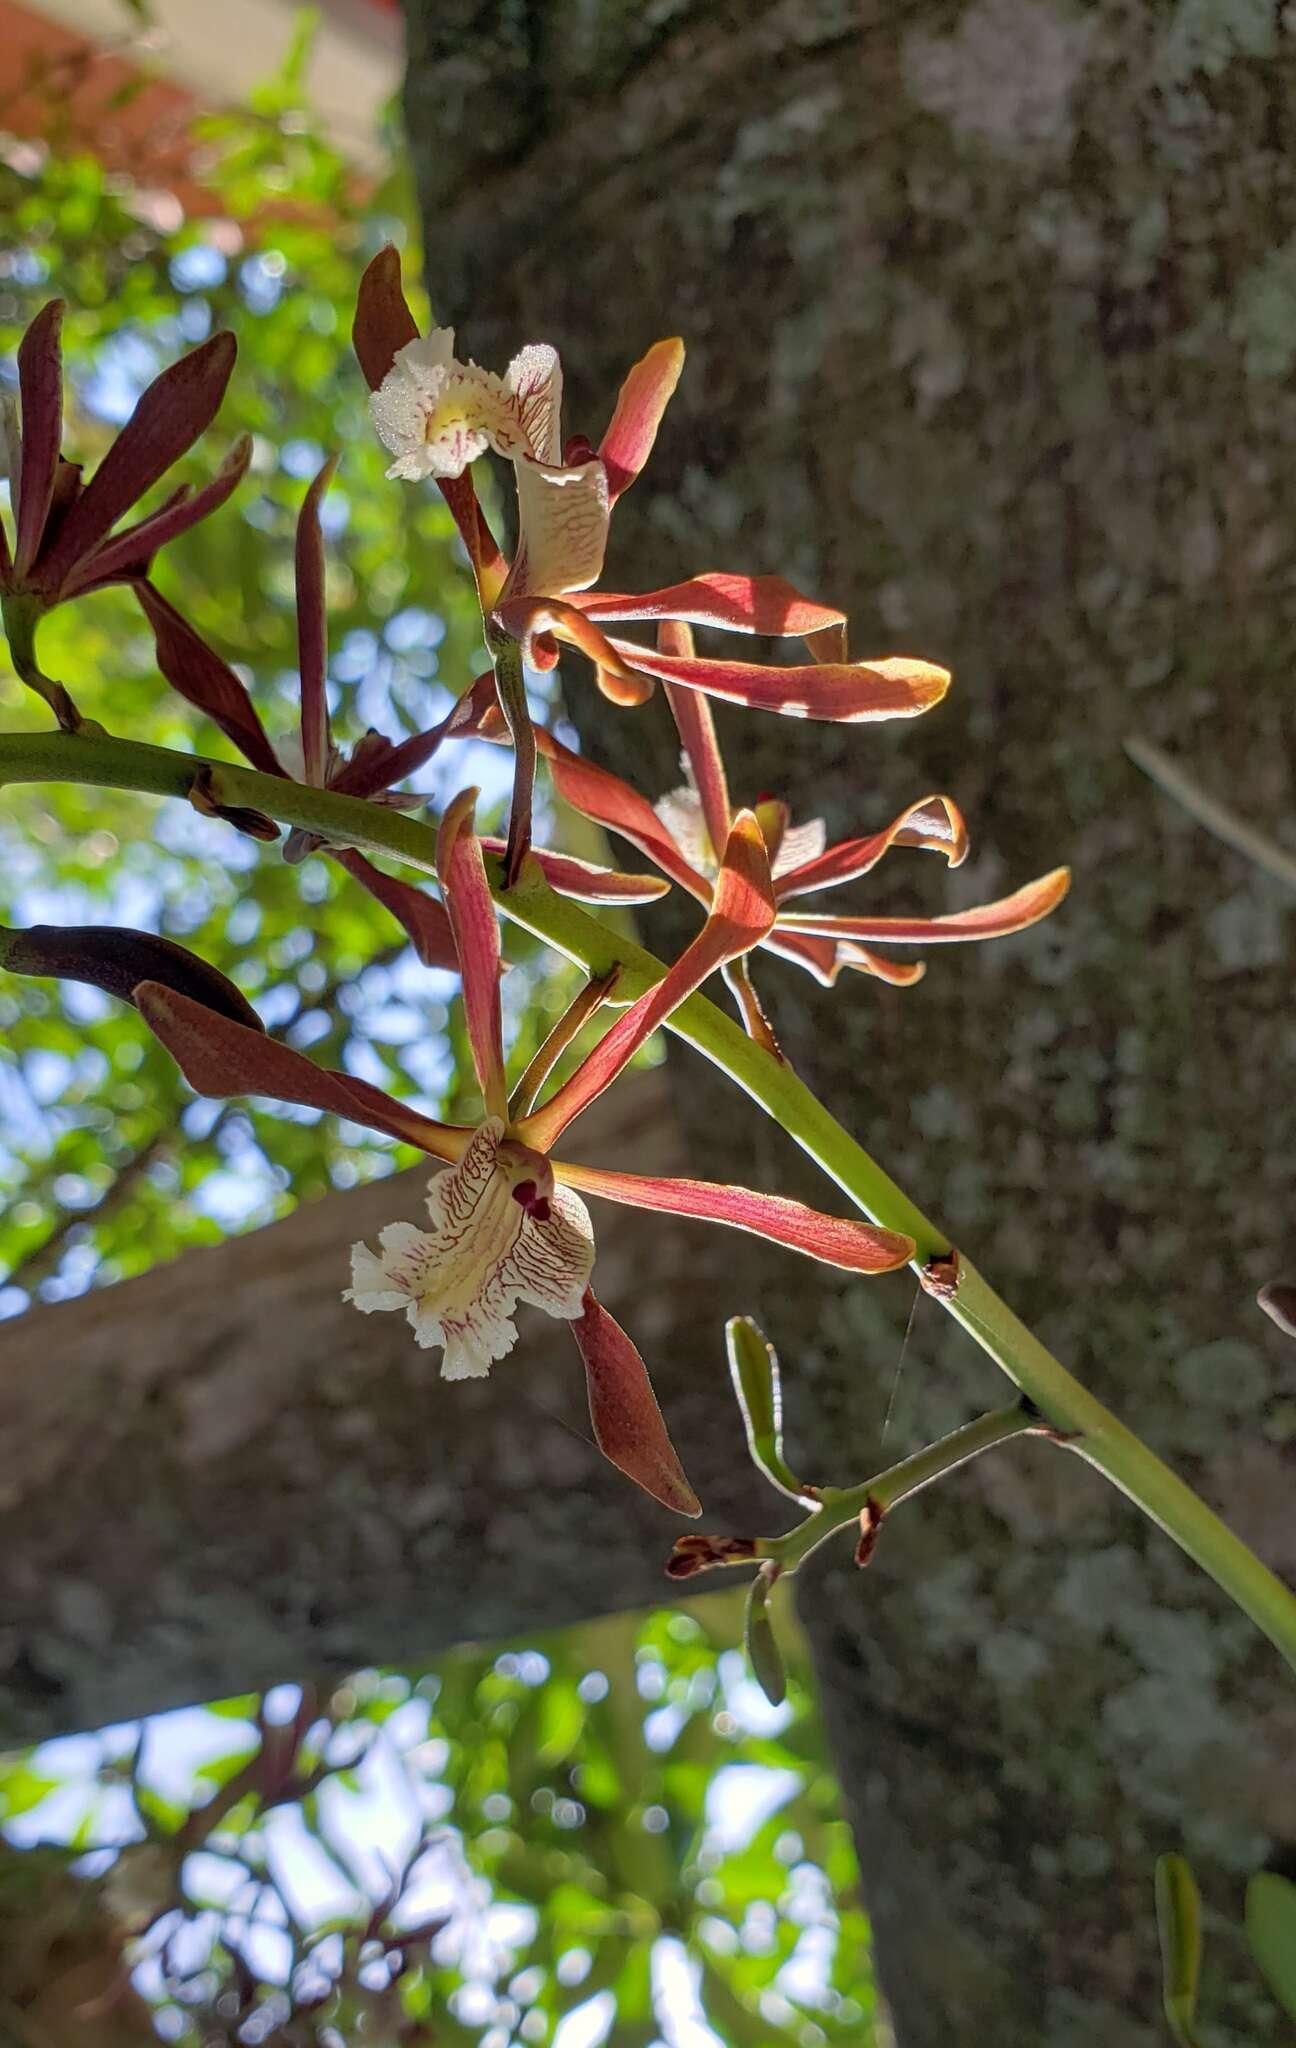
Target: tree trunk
[
  {"x": 219, "y": 1475},
  {"x": 991, "y": 314}
]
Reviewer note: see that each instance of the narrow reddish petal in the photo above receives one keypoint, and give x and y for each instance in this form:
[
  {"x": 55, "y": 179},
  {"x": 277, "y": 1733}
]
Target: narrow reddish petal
[
  {"x": 935, "y": 824},
  {"x": 584, "y": 882},
  {"x": 40, "y": 385},
  {"x": 219, "y": 1057},
  {"x": 828, "y": 643},
  {"x": 383, "y": 322},
  {"x": 531, "y": 619},
  {"x": 899, "y": 973},
  {"x": 584, "y": 1005},
  {"x": 205, "y": 681},
  {"x": 312, "y": 628},
  {"x": 740, "y": 604},
  {"x": 849, "y": 693},
  {"x": 756, "y": 1024},
  {"x": 1026, "y": 906},
  {"x": 510, "y": 691},
  {"x": 177, "y": 407},
  {"x": 742, "y": 912},
  {"x": 625, "y": 686},
  {"x": 129, "y": 554},
  {"x": 643, "y": 399},
  {"x": 490, "y": 568},
  {"x": 476, "y": 716},
  {"x": 696, "y": 728},
  {"x": 819, "y": 957},
  {"x": 608, "y": 801},
  {"x": 476, "y": 933},
  {"x": 836, "y": 1240},
  {"x": 628, "y": 1425},
  {"x": 422, "y": 916}
]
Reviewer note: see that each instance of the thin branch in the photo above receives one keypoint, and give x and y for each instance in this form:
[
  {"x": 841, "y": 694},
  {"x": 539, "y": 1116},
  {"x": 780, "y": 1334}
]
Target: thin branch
[{"x": 1216, "y": 817}]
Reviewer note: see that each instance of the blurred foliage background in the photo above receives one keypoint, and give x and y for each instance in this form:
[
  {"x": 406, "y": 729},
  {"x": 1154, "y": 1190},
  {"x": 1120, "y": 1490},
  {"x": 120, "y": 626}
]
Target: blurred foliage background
[{"x": 607, "y": 1835}]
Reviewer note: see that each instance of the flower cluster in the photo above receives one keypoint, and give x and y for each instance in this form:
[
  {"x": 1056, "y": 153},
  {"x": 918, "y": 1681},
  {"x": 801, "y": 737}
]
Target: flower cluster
[{"x": 507, "y": 1225}]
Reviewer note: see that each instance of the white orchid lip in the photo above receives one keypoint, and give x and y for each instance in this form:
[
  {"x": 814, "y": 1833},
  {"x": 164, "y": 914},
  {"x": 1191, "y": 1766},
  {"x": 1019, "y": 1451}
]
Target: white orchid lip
[
  {"x": 680, "y": 811},
  {"x": 437, "y": 415},
  {"x": 502, "y": 1234}
]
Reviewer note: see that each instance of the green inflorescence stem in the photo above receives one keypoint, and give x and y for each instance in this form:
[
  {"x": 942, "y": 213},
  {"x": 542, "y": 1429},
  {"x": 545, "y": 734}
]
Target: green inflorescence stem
[
  {"x": 93, "y": 758},
  {"x": 839, "y": 1506}
]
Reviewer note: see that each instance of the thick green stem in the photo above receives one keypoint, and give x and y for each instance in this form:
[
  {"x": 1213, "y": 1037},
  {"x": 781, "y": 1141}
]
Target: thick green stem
[
  {"x": 92, "y": 758},
  {"x": 839, "y": 1506}
]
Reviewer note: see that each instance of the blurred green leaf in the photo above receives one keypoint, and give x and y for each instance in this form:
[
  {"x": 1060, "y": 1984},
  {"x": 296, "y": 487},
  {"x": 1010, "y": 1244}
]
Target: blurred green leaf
[
  {"x": 1271, "y": 1932},
  {"x": 762, "y": 1649},
  {"x": 1178, "y": 1903}
]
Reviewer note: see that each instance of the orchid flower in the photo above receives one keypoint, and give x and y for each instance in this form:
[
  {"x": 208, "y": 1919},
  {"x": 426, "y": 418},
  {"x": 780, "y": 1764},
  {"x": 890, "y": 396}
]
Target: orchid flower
[
  {"x": 682, "y": 831},
  {"x": 374, "y": 765},
  {"x": 437, "y": 415},
  {"x": 508, "y": 1225},
  {"x": 64, "y": 544}
]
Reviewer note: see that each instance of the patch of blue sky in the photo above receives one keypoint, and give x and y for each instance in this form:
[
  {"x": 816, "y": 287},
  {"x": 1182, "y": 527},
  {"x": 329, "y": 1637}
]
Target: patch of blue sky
[
  {"x": 412, "y": 628},
  {"x": 261, "y": 281},
  {"x": 308, "y": 1030},
  {"x": 131, "y": 899},
  {"x": 48, "y": 1076},
  {"x": 177, "y": 1745},
  {"x": 675, "y": 1993},
  {"x": 314, "y": 1886},
  {"x": 745, "y": 1700},
  {"x": 356, "y": 655},
  {"x": 376, "y": 1820},
  {"x": 217, "y": 1881},
  {"x": 198, "y": 268},
  {"x": 391, "y": 1023},
  {"x": 590, "y": 2024},
  {"x": 740, "y": 1799},
  {"x": 807, "y": 1973},
  {"x": 76, "y": 1274},
  {"x": 25, "y": 1128},
  {"x": 239, "y": 1194},
  {"x": 25, "y": 266},
  {"x": 79, "y": 1804},
  {"x": 194, "y": 321},
  {"x": 663, "y": 1727},
  {"x": 360, "y": 1059},
  {"x": 123, "y": 366},
  {"x": 335, "y": 514},
  {"x": 179, "y": 828},
  {"x": 187, "y": 1943},
  {"x": 267, "y": 1949},
  {"x": 301, "y": 458},
  {"x": 390, "y": 696},
  {"x": 82, "y": 1004}
]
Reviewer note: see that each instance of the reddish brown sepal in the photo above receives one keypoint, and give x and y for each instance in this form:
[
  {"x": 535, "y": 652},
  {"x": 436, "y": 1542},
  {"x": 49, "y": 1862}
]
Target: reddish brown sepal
[
  {"x": 871, "y": 1515},
  {"x": 941, "y": 1275},
  {"x": 693, "y": 1554},
  {"x": 116, "y": 959},
  {"x": 204, "y": 795}
]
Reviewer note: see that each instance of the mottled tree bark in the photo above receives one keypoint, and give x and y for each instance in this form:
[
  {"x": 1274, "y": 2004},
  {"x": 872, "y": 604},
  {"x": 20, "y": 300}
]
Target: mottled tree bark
[{"x": 991, "y": 313}]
